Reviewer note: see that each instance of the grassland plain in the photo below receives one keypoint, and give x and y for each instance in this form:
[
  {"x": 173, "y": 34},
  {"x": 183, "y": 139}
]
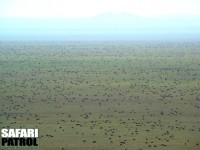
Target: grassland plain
[{"x": 103, "y": 95}]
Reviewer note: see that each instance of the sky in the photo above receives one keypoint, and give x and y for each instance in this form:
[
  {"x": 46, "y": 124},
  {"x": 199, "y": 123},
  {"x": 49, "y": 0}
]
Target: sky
[
  {"x": 97, "y": 16},
  {"x": 88, "y": 8}
]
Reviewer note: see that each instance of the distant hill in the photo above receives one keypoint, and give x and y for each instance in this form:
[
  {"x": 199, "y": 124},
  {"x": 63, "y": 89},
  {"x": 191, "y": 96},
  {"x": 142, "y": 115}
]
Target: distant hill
[{"x": 105, "y": 24}]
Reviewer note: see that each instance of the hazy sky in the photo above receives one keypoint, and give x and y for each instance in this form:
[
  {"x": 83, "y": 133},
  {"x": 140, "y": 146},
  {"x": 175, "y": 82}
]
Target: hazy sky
[
  {"x": 64, "y": 19},
  {"x": 88, "y": 8}
]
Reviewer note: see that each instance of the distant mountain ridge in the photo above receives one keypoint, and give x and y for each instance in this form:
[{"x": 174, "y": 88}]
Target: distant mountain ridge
[
  {"x": 122, "y": 20},
  {"x": 104, "y": 24}
]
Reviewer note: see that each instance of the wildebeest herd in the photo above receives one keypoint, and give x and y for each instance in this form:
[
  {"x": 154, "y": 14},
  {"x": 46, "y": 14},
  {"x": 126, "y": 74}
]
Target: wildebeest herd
[{"x": 124, "y": 95}]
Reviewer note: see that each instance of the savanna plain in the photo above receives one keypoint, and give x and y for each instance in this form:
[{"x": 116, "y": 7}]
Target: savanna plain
[{"x": 140, "y": 95}]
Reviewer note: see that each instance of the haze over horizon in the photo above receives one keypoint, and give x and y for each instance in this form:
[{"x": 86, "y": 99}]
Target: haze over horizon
[{"x": 90, "y": 20}]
